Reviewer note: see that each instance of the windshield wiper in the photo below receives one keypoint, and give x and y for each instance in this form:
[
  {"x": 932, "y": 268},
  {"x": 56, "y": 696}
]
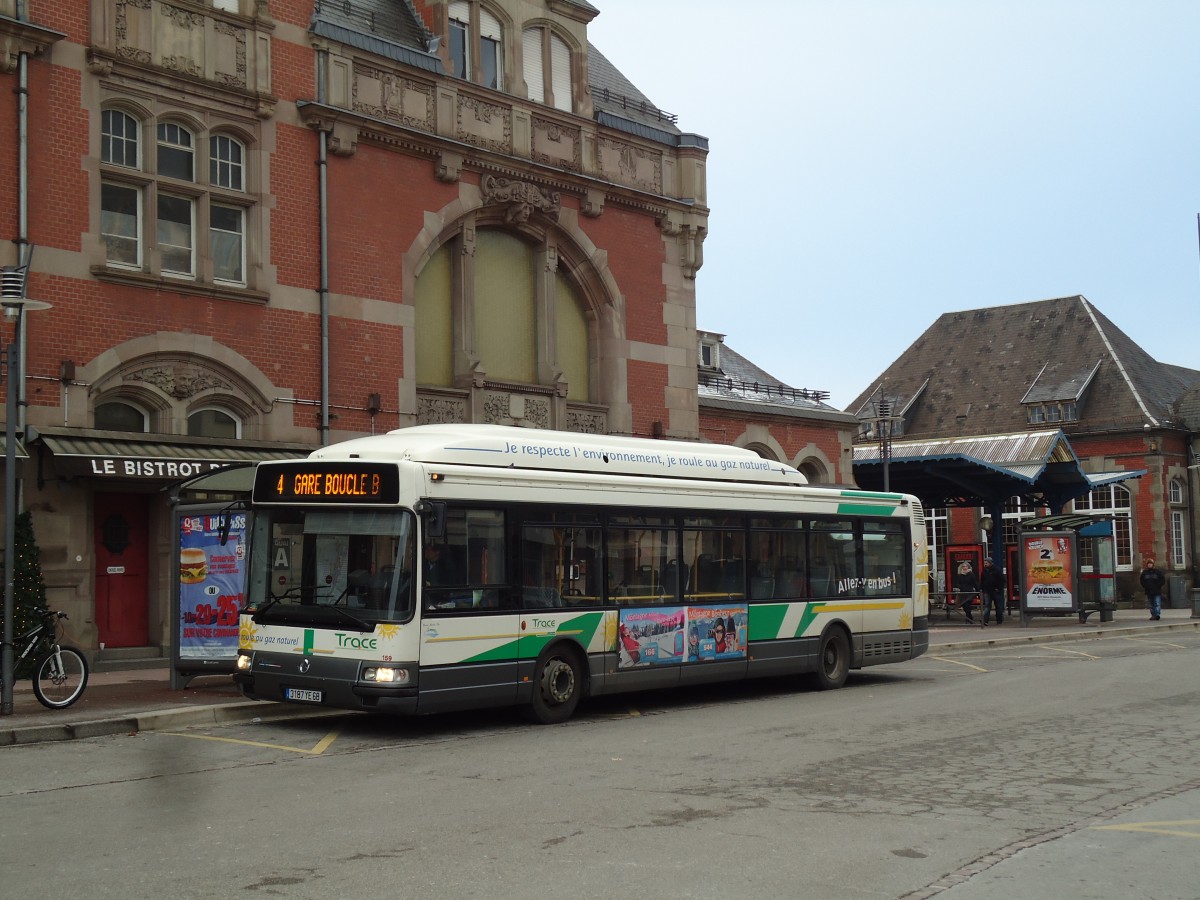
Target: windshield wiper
[{"x": 362, "y": 626}]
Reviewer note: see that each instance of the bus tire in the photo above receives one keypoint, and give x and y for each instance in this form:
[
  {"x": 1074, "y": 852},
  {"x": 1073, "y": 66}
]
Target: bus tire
[
  {"x": 833, "y": 660},
  {"x": 557, "y": 686}
]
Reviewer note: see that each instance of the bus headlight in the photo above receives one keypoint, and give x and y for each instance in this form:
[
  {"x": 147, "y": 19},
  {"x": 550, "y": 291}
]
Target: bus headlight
[
  {"x": 385, "y": 675},
  {"x": 244, "y": 662}
]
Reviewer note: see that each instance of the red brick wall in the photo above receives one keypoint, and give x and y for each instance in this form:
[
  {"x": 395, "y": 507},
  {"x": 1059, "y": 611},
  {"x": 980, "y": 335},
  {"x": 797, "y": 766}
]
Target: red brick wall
[
  {"x": 726, "y": 428},
  {"x": 635, "y": 257}
]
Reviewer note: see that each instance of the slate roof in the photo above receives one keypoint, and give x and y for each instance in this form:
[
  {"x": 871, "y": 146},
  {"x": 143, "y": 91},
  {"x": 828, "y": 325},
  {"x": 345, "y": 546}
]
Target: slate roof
[
  {"x": 970, "y": 372},
  {"x": 740, "y": 385},
  {"x": 393, "y": 29}
]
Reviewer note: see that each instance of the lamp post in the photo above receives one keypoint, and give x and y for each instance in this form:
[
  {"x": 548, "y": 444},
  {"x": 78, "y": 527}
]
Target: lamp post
[{"x": 14, "y": 302}]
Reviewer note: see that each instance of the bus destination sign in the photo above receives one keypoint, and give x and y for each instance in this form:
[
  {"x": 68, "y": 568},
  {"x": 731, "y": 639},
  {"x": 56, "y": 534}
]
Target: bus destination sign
[{"x": 327, "y": 481}]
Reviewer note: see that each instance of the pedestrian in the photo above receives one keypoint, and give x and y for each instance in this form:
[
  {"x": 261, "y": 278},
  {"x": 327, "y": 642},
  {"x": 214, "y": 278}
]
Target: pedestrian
[
  {"x": 992, "y": 582},
  {"x": 1152, "y": 583},
  {"x": 966, "y": 586}
]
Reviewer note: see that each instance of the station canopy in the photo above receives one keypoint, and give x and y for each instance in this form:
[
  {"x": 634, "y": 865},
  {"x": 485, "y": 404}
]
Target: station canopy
[{"x": 1038, "y": 466}]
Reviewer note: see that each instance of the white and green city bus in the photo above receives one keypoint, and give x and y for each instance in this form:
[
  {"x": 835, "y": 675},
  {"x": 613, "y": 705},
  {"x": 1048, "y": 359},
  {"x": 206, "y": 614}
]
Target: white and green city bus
[{"x": 451, "y": 567}]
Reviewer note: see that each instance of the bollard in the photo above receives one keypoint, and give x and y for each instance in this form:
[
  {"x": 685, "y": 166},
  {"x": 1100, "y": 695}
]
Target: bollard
[{"x": 1196, "y": 603}]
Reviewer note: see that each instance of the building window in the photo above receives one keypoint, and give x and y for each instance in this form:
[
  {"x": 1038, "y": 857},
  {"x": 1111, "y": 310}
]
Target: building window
[
  {"x": 508, "y": 322},
  {"x": 214, "y": 423},
  {"x": 547, "y": 67},
  {"x": 710, "y": 354},
  {"x": 476, "y": 45},
  {"x": 119, "y": 416},
  {"x": 937, "y": 534},
  {"x": 227, "y": 5},
  {"x": 192, "y": 187},
  {"x": 1112, "y": 501},
  {"x": 1064, "y": 411},
  {"x": 1176, "y": 493}
]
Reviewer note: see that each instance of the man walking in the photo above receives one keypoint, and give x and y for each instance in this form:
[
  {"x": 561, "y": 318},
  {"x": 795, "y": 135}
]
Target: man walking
[
  {"x": 1152, "y": 583},
  {"x": 992, "y": 583}
]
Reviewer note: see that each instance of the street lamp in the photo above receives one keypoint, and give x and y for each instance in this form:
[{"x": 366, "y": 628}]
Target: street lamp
[{"x": 14, "y": 302}]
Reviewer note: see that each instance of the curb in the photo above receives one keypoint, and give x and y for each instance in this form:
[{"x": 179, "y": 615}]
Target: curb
[
  {"x": 157, "y": 720},
  {"x": 1085, "y": 633}
]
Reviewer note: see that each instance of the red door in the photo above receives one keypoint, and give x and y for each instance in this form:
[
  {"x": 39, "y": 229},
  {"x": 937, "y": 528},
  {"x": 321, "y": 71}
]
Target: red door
[{"x": 122, "y": 598}]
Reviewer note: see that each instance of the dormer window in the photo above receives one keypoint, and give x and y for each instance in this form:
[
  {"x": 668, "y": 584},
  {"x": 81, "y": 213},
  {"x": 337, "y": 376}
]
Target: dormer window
[
  {"x": 710, "y": 357},
  {"x": 476, "y": 45},
  {"x": 547, "y": 66},
  {"x": 1063, "y": 411}
]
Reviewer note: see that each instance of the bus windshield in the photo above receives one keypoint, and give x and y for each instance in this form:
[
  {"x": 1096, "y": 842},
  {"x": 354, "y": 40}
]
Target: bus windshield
[{"x": 320, "y": 566}]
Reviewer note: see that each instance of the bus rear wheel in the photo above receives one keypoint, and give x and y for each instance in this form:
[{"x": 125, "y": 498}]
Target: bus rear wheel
[
  {"x": 557, "y": 688},
  {"x": 833, "y": 661}
]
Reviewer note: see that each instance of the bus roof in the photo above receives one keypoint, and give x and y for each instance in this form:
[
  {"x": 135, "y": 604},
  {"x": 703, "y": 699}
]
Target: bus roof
[{"x": 501, "y": 446}]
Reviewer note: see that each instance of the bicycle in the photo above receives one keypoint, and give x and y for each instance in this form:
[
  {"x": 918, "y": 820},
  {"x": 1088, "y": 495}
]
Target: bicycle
[{"x": 61, "y": 671}]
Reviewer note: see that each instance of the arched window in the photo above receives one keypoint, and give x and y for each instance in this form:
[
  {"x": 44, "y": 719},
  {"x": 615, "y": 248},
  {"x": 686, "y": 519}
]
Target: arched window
[
  {"x": 214, "y": 423},
  {"x": 120, "y": 416},
  {"x": 1176, "y": 496},
  {"x": 1112, "y": 501},
  {"x": 476, "y": 45},
  {"x": 191, "y": 190},
  {"x": 513, "y": 323},
  {"x": 546, "y": 61}
]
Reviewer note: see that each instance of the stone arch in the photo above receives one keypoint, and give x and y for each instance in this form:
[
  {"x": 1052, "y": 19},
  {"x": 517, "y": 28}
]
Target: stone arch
[
  {"x": 172, "y": 374},
  {"x": 534, "y": 214},
  {"x": 815, "y": 465},
  {"x": 759, "y": 439}
]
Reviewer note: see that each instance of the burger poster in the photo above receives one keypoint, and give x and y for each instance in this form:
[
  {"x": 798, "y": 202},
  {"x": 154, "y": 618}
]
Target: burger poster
[
  {"x": 211, "y": 586},
  {"x": 1048, "y": 566}
]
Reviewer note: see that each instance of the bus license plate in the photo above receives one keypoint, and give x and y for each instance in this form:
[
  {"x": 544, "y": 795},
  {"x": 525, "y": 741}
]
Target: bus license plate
[{"x": 302, "y": 696}]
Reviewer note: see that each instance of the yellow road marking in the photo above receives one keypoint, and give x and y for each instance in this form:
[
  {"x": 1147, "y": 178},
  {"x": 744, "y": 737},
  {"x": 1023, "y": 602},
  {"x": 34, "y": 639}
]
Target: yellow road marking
[
  {"x": 320, "y": 747},
  {"x": 1076, "y": 652},
  {"x": 1157, "y": 828},
  {"x": 958, "y": 662},
  {"x": 1148, "y": 641}
]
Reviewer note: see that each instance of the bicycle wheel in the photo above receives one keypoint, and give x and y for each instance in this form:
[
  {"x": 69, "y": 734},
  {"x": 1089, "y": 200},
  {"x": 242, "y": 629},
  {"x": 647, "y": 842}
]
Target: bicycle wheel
[{"x": 60, "y": 677}]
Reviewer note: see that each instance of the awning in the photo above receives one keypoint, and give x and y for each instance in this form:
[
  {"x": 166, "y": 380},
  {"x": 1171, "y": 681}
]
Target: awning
[
  {"x": 1039, "y": 466},
  {"x": 116, "y": 455},
  {"x": 21, "y": 454}
]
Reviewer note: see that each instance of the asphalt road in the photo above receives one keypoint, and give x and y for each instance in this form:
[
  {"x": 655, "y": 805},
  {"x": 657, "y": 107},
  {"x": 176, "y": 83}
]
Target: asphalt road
[{"x": 1047, "y": 770}]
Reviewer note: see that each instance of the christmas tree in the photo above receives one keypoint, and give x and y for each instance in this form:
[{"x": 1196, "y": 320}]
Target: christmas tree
[{"x": 29, "y": 588}]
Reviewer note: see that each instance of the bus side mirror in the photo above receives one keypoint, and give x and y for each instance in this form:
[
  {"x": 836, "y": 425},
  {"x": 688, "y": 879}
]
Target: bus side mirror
[{"x": 433, "y": 513}]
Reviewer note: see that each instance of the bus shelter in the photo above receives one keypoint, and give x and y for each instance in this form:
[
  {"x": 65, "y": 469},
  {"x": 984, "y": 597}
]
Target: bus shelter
[{"x": 1066, "y": 565}]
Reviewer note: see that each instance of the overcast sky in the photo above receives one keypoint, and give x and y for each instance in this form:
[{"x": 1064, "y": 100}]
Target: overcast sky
[{"x": 876, "y": 163}]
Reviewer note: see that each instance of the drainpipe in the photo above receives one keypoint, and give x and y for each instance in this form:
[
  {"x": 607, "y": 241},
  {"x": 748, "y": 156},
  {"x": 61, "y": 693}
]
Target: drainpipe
[{"x": 323, "y": 184}]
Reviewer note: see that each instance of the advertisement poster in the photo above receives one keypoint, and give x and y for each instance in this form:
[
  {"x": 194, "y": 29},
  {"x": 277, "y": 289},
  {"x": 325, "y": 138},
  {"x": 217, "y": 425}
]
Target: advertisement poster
[
  {"x": 211, "y": 585},
  {"x": 674, "y": 634},
  {"x": 1047, "y": 567}
]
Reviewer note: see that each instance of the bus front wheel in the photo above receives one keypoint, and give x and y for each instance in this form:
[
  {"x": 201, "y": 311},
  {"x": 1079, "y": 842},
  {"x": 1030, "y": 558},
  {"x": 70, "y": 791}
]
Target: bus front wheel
[
  {"x": 557, "y": 687},
  {"x": 833, "y": 661}
]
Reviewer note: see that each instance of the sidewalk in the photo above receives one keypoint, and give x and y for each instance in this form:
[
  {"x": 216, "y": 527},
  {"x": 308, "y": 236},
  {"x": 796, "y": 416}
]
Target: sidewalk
[{"x": 142, "y": 699}]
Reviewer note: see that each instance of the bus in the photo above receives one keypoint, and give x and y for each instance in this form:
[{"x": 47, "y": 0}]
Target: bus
[{"x": 451, "y": 567}]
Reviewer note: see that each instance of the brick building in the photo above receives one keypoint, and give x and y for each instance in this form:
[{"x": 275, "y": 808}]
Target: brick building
[
  {"x": 1053, "y": 382},
  {"x": 267, "y": 225}
]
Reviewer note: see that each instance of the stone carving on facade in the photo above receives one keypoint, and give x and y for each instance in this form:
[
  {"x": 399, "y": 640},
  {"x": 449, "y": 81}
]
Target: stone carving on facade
[
  {"x": 522, "y": 199},
  {"x": 441, "y": 410},
  {"x": 237, "y": 78},
  {"x": 586, "y": 422},
  {"x": 385, "y": 95},
  {"x": 484, "y": 124},
  {"x": 498, "y": 406},
  {"x": 182, "y": 17},
  {"x": 555, "y": 144},
  {"x": 180, "y": 382},
  {"x": 629, "y": 164}
]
